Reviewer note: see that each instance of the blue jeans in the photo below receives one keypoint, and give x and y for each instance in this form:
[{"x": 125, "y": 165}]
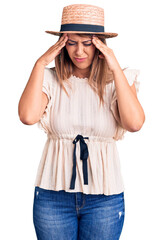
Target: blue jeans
[{"x": 63, "y": 215}]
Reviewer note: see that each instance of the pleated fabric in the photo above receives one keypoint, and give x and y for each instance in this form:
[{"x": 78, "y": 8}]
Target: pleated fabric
[{"x": 80, "y": 114}]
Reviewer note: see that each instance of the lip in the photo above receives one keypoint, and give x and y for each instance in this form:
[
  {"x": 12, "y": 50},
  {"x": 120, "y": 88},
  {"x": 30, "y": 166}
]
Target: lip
[{"x": 80, "y": 59}]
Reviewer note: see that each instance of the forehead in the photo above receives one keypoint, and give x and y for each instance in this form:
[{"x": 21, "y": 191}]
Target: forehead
[{"x": 77, "y": 37}]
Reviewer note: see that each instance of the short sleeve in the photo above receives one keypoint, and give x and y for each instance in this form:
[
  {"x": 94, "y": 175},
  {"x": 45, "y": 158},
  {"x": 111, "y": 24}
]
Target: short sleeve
[
  {"x": 48, "y": 88},
  {"x": 131, "y": 75}
]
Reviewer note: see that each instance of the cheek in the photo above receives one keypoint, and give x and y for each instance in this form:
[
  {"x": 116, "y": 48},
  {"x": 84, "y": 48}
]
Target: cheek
[{"x": 92, "y": 51}]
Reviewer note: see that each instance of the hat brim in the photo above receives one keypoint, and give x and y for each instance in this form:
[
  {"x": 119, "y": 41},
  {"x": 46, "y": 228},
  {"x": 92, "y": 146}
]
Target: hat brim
[{"x": 103, "y": 34}]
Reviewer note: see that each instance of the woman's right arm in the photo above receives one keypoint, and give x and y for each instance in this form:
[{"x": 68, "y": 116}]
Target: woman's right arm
[{"x": 33, "y": 100}]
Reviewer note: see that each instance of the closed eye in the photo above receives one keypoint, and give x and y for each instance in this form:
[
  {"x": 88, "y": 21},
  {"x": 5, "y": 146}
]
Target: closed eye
[{"x": 71, "y": 44}]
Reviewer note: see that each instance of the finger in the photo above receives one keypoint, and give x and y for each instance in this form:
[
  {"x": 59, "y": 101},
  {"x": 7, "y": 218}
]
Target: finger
[
  {"x": 98, "y": 41},
  {"x": 61, "y": 42},
  {"x": 62, "y": 38},
  {"x": 100, "y": 45},
  {"x": 57, "y": 46},
  {"x": 97, "y": 44},
  {"x": 64, "y": 35}
]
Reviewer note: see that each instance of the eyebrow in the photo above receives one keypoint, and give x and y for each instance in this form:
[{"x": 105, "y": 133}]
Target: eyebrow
[{"x": 83, "y": 41}]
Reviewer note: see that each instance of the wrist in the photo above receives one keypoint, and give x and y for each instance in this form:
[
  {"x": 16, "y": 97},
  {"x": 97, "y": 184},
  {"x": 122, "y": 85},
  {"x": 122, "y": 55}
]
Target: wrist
[
  {"x": 117, "y": 69},
  {"x": 40, "y": 63}
]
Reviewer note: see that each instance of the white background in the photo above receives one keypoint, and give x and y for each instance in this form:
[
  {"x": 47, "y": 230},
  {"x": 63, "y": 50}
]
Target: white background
[{"x": 139, "y": 45}]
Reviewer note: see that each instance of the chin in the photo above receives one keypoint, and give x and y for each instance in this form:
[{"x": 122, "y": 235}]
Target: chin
[{"x": 82, "y": 66}]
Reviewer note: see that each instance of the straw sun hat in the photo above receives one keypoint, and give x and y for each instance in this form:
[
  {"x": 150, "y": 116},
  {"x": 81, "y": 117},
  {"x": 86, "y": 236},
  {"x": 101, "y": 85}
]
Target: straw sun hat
[{"x": 83, "y": 18}]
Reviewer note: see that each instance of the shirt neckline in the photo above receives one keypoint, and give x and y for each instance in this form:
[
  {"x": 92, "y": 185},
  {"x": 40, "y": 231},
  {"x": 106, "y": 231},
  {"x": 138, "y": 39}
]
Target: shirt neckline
[{"x": 78, "y": 79}]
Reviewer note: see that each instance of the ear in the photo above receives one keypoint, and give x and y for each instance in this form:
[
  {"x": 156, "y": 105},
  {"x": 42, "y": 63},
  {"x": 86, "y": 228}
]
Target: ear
[{"x": 101, "y": 56}]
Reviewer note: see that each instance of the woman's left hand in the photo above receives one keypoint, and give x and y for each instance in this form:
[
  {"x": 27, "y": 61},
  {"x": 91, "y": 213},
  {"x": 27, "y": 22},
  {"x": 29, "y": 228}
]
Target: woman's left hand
[{"x": 106, "y": 53}]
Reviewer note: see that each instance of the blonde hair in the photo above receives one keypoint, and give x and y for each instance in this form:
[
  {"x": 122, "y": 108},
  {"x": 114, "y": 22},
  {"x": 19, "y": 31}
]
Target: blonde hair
[{"x": 100, "y": 74}]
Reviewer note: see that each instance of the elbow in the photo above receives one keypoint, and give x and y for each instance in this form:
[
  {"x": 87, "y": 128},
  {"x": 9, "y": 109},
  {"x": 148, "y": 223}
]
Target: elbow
[
  {"x": 135, "y": 125},
  {"x": 27, "y": 120},
  {"x": 135, "y": 128}
]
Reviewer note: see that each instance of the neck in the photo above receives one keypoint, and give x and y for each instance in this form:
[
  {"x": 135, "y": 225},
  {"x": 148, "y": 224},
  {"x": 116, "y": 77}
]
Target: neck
[{"x": 81, "y": 73}]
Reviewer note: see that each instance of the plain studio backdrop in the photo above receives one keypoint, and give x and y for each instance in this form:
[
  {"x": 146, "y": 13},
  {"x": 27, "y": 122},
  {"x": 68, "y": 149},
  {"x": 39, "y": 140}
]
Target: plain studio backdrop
[{"x": 138, "y": 45}]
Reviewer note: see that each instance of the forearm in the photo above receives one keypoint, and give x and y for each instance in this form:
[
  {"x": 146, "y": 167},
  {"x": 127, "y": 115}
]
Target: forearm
[
  {"x": 30, "y": 102},
  {"x": 130, "y": 110}
]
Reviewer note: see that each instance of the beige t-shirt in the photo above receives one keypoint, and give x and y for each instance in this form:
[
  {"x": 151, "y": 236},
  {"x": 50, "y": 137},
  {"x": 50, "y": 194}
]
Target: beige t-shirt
[{"x": 65, "y": 118}]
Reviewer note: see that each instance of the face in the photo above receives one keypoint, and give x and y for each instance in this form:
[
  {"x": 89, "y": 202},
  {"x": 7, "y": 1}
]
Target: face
[{"x": 81, "y": 50}]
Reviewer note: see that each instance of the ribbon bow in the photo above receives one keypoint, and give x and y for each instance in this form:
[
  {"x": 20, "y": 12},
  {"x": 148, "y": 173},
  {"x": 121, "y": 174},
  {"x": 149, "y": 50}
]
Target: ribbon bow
[{"x": 83, "y": 157}]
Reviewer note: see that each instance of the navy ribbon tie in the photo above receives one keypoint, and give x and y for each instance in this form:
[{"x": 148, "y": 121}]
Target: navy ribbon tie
[
  {"x": 83, "y": 157},
  {"x": 82, "y": 27}
]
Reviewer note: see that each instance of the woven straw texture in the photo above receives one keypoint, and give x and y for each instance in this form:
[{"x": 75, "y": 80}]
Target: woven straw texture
[{"x": 83, "y": 14}]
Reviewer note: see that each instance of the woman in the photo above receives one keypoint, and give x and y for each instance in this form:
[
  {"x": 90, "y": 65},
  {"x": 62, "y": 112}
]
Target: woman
[{"x": 84, "y": 104}]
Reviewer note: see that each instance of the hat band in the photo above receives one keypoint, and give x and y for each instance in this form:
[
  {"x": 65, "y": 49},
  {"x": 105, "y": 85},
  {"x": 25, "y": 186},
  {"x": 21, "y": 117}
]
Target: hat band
[{"x": 82, "y": 27}]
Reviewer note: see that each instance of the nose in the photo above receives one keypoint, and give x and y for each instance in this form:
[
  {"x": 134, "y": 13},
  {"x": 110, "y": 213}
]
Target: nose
[{"x": 79, "y": 49}]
